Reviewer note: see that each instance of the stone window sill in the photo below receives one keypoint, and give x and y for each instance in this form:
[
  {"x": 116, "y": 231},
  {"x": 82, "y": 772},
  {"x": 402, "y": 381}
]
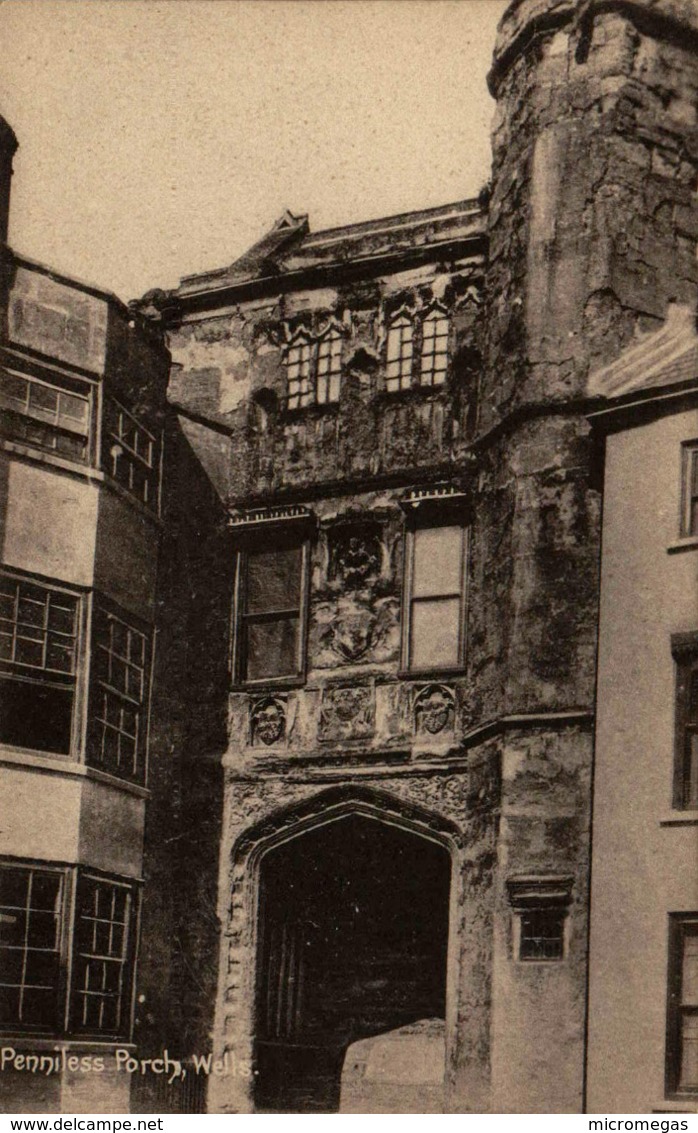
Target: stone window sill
[
  {"x": 677, "y": 1103},
  {"x": 82, "y": 471},
  {"x": 270, "y": 685},
  {"x": 433, "y": 675},
  {"x": 680, "y": 818},
  {"x": 315, "y": 409},
  {"x": 64, "y": 765},
  {"x": 687, "y": 543},
  {"x": 414, "y": 392},
  {"x": 61, "y": 463}
]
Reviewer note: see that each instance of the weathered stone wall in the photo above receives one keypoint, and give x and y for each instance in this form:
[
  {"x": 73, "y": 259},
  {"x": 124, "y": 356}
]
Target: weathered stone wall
[
  {"x": 177, "y": 970},
  {"x": 356, "y": 724},
  {"x": 539, "y": 1009},
  {"x": 229, "y": 368},
  {"x": 592, "y": 231}
]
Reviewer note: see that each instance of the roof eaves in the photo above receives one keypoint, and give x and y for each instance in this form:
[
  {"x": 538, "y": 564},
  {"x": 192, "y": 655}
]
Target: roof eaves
[{"x": 666, "y": 357}]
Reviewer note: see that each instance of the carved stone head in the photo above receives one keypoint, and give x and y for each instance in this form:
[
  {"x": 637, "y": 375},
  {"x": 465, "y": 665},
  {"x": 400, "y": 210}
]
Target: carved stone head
[{"x": 268, "y": 720}]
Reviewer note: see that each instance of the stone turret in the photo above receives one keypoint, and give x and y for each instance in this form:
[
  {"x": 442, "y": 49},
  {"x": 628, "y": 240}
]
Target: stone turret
[
  {"x": 592, "y": 234},
  {"x": 593, "y": 218}
]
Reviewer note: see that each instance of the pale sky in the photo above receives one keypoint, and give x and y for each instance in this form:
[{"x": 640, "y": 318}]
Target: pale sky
[{"x": 162, "y": 137}]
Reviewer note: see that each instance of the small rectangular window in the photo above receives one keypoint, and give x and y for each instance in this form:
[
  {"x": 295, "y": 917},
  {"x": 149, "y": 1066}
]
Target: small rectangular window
[
  {"x": 399, "y": 352},
  {"x": 31, "y": 922},
  {"x": 38, "y": 664},
  {"x": 689, "y": 489},
  {"x": 435, "y": 586},
  {"x": 542, "y": 934},
  {"x": 685, "y": 648},
  {"x": 682, "y": 1037},
  {"x": 298, "y": 374},
  {"x": 118, "y": 706},
  {"x": 541, "y": 906},
  {"x": 131, "y": 454},
  {"x": 45, "y": 414},
  {"x": 271, "y": 603}
]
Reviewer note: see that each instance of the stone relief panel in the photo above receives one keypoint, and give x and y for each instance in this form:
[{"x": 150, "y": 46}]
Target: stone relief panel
[
  {"x": 393, "y": 715},
  {"x": 434, "y": 712},
  {"x": 268, "y": 720},
  {"x": 356, "y": 611},
  {"x": 355, "y": 555},
  {"x": 350, "y": 631},
  {"x": 347, "y": 713}
]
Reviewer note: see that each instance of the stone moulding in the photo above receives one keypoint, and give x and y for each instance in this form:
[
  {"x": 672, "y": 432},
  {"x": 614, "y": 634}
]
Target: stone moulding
[
  {"x": 534, "y": 891},
  {"x": 265, "y": 517},
  {"x": 440, "y": 496},
  {"x": 337, "y": 802}
]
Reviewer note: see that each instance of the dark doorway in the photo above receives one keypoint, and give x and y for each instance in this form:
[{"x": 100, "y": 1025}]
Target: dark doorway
[{"x": 353, "y": 935}]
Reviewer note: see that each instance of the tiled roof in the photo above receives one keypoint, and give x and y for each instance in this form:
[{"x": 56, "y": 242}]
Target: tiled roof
[{"x": 664, "y": 358}]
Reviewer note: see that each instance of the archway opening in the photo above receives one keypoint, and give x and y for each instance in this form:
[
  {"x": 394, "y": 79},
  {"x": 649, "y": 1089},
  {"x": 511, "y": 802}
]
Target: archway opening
[{"x": 352, "y": 942}]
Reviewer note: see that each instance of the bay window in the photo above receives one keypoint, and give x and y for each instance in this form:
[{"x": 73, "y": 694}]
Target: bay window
[
  {"x": 46, "y": 412},
  {"x": 119, "y": 696},
  {"x": 130, "y": 454},
  {"x": 67, "y": 947},
  {"x": 39, "y": 642}
]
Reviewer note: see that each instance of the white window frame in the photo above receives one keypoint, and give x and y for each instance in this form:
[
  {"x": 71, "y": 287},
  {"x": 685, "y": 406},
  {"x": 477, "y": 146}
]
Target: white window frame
[
  {"x": 68, "y": 916},
  {"x": 17, "y": 671}
]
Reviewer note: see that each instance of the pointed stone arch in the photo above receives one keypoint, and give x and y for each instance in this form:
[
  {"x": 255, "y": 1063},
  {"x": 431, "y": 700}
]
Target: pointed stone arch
[
  {"x": 240, "y": 955},
  {"x": 334, "y": 803}
]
